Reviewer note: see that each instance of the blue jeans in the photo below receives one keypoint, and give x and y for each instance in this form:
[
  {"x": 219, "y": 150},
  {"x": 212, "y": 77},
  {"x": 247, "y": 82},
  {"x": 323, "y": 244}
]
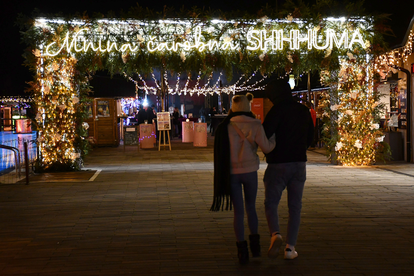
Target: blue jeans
[
  {"x": 248, "y": 183},
  {"x": 278, "y": 177}
]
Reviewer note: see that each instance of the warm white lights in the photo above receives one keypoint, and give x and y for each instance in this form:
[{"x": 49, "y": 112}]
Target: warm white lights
[
  {"x": 396, "y": 57},
  {"x": 291, "y": 81},
  {"x": 207, "y": 89},
  {"x": 67, "y": 52},
  {"x": 145, "y": 103},
  {"x": 177, "y": 36},
  {"x": 277, "y": 40}
]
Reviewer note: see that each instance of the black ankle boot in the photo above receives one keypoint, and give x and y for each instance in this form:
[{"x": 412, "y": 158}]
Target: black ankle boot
[
  {"x": 243, "y": 252},
  {"x": 255, "y": 245}
]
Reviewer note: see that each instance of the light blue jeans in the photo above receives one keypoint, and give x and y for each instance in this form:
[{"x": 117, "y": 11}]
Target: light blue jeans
[
  {"x": 279, "y": 176},
  {"x": 246, "y": 182}
]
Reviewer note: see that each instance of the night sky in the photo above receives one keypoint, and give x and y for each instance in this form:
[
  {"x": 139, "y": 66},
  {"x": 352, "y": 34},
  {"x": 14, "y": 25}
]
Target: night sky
[{"x": 14, "y": 75}]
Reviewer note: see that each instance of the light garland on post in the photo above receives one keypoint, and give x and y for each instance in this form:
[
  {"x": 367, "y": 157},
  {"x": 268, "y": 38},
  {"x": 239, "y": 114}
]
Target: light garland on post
[
  {"x": 56, "y": 101},
  {"x": 355, "y": 107}
]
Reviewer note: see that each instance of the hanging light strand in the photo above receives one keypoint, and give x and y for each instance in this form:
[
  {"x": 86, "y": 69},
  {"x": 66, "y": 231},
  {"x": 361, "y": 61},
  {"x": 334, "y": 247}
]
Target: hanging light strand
[{"x": 208, "y": 88}]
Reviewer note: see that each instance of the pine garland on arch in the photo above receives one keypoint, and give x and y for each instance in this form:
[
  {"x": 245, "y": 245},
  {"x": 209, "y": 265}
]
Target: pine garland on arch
[{"x": 141, "y": 28}]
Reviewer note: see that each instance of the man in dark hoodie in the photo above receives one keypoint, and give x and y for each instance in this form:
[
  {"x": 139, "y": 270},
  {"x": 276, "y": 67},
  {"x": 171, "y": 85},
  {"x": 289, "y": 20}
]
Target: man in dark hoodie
[{"x": 293, "y": 126}]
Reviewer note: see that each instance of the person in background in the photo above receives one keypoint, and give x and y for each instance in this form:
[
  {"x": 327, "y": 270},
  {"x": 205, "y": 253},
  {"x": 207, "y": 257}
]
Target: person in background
[
  {"x": 235, "y": 170},
  {"x": 142, "y": 115},
  {"x": 213, "y": 111},
  {"x": 154, "y": 109},
  {"x": 313, "y": 115},
  {"x": 312, "y": 112},
  {"x": 292, "y": 123},
  {"x": 150, "y": 114},
  {"x": 176, "y": 123}
]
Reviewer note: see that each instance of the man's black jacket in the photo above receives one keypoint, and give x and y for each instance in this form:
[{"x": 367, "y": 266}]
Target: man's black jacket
[{"x": 292, "y": 123}]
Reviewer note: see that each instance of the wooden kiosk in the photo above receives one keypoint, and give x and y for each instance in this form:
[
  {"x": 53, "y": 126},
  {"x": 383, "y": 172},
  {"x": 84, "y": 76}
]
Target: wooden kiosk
[{"x": 102, "y": 120}]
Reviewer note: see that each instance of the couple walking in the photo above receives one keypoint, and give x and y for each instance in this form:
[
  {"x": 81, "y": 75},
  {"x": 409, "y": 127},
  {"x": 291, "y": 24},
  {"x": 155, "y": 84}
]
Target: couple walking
[{"x": 284, "y": 137}]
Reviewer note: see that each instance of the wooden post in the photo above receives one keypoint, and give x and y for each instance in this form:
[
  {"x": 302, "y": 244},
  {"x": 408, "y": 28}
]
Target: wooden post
[
  {"x": 26, "y": 162},
  {"x": 162, "y": 92},
  {"x": 309, "y": 87}
]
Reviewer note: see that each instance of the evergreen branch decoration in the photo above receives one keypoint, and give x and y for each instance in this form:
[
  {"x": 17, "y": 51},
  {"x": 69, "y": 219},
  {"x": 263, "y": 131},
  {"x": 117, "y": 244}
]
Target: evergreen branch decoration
[{"x": 304, "y": 38}]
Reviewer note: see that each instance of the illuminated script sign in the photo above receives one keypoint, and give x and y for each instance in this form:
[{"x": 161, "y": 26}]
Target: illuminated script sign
[{"x": 252, "y": 39}]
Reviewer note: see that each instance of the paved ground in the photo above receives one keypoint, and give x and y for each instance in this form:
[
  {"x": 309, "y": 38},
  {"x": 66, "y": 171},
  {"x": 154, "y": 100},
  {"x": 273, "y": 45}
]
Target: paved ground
[{"x": 147, "y": 213}]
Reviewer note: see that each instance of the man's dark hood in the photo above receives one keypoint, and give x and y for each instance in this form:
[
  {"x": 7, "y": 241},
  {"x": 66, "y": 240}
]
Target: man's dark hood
[{"x": 278, "y": 91}]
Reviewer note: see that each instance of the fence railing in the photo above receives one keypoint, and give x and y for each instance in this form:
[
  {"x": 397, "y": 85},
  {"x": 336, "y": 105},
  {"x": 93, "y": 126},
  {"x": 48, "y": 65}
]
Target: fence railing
[{"x": 17, "y": 156}]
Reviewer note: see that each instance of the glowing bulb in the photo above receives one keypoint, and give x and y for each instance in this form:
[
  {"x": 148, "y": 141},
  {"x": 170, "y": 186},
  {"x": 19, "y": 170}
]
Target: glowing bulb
[{"x": 291, "y": 81}]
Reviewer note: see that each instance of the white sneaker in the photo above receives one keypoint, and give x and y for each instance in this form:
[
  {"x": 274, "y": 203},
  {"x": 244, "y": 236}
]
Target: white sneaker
[
  {"x": 275, "y": 244},
  {"x": 290, "y": 254}
]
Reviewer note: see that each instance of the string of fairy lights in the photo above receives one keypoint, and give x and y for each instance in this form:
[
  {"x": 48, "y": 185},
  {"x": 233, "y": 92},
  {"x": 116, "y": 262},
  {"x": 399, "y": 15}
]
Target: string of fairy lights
[
  {"x": 14, "y": 99},
  {"x": 57, "y": 98},
  {"x": 386, "y": 62},
  {"x": 17, "y": 102},
  {"x": 358, "y": 132},
  {"x": 56, "y": 107},
  {"x": 210, "y": 87}
]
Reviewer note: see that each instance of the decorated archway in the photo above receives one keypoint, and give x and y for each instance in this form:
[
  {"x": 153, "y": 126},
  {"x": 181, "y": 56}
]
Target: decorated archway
[{"x": 65, "y": 53}]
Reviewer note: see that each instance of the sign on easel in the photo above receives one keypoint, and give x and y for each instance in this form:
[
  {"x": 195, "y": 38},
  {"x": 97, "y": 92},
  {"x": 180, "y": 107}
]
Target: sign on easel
[
  {"x": 164, "y": 127},
  {"x": 163, "y": 121}
]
